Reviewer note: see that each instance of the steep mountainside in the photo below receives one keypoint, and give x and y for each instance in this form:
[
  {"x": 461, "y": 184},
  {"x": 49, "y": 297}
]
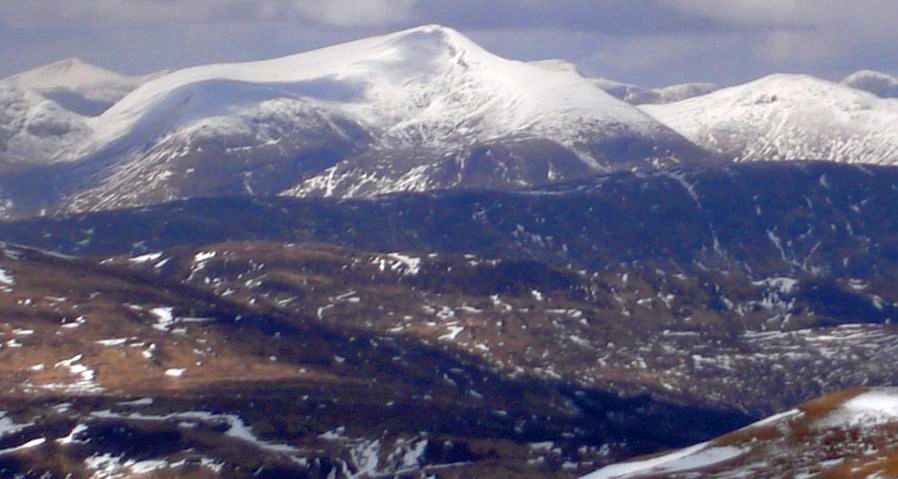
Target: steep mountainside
[
  {"x": 846, "y": 435},
  {"x": 788, "y": 117}
]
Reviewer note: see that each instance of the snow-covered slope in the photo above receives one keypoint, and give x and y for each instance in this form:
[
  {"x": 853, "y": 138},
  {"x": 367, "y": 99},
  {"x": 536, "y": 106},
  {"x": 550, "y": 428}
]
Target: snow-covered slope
[
  {"x": 36, "y": 130},
  {"x": 415, "y": 110},
  {"x": 428, "y": 86},
  {"x": 79, "y": 87},
  {"x": 845, "y": 434},
  {"x": 44, "y": 112},
  {"x": 788, "y": 117},
  {"x": 878, "y": 83}
]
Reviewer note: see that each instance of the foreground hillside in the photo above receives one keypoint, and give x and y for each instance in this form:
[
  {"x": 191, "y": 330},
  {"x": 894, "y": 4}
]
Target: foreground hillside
[
  {"x": 849, "y": 434},
  {"x": 110, "y": 371}
]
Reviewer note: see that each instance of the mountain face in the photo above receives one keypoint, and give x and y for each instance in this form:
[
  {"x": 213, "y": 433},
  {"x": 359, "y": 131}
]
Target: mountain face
[
  {"x": 417, "y": 110},
  {"x": 45, "y": 113},
  {"x": 788, "y": 117},
  {"x": 36, "y": 130},
  {"x": 847, "y": 434},
  {"x": 878, "y": 83}
]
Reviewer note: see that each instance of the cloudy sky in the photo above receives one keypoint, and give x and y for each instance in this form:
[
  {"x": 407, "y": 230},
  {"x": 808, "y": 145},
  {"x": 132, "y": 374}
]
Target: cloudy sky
[{"x": 651, "y": 42}]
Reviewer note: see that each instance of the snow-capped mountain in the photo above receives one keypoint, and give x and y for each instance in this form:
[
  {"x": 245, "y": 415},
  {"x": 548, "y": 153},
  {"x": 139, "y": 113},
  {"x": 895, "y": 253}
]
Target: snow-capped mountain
[
  {"x": 416, "y": 110},
  {"x": 788, "y": 117},
  {"x": 36, "y": 130},
  {"x": 878, "y": 83},
  {"x": 44, "y": 113},
  {"x": 79, "y": 87}
]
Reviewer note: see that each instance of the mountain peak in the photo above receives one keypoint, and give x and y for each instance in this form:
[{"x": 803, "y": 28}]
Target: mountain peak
[
  {"x": 788, "y": 117},
  {"x": 70, "y": 73},
  {"x": 435, "y": 38},
  {"x": 66, "y": 64}
]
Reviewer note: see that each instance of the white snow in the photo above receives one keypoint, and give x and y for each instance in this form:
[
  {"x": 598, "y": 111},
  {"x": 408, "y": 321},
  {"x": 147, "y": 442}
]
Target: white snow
[
  {"x": 175, "y": 372},
  {"x": 869, "y": 409},
  {"x": 691, "y": 458},
  {"x": 788, "y": 117},
  {"x": 426, "y": 84},
  {"x": 204, "y": 256},
  {"x": 8, "y": 426},
  {"x": 165, "y": 318},
  {"x": 409, "y": 264},
  {"x": 6, "y": 278},
  {"x": 146, "y": 258},
  {"x": 454, "y": 331},
  {"x": 73, "y": 434},
  {"x": 85, "y": 382},
  {"x": 28, "y": 445},
  {"x": 73, "y": 76}
]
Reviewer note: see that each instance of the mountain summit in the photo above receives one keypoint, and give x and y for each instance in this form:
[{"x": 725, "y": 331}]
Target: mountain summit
[
  {"x": 788, "y": 117},
  {"x": 417, "y": 110},
  {"x": 78, "y": 86}
]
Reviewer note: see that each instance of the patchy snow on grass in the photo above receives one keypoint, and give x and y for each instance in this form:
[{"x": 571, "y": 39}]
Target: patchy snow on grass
[
  {"x": 107, "y": 466},
  {"x": 85, "y": 382},
  {"x": 175, "y": 372},
  {"x": 237, "y": 428}
]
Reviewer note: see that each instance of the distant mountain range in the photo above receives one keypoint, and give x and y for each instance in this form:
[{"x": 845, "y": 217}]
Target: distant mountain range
[{"x": 418, "y": 110}]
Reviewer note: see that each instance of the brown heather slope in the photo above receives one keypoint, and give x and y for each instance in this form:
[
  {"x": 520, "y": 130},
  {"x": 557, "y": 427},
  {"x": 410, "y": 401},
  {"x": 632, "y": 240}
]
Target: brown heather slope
[{"x": 110, "y": 371}]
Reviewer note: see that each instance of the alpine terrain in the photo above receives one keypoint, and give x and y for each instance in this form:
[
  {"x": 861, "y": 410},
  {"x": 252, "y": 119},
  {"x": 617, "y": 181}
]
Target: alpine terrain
[{"x": 408, "y": 257}]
